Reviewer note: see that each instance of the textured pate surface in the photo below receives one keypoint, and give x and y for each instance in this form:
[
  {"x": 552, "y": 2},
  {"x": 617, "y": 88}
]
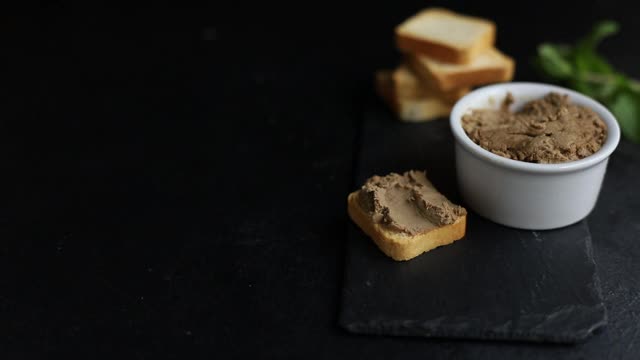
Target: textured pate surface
[
  {"x": 408, "y": 203},
  {"x": 547, "y": 130}
]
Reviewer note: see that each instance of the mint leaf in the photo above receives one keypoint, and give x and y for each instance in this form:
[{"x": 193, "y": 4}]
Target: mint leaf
[
  {"x": 626, "y": 107},
  {"x": 583, "y": 69},
  {"x": 588, "y": 61},
  {"x": 585, "y": 56},
  {"x": 564, "y": 50},
  {"x": 552, "y": 61},
  {"x": 610, "y": 88},
  {"x": 600, "y": 31}
]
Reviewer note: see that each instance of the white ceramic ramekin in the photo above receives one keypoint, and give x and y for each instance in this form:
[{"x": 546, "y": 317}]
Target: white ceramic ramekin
[{"x": 527, "y": 195}]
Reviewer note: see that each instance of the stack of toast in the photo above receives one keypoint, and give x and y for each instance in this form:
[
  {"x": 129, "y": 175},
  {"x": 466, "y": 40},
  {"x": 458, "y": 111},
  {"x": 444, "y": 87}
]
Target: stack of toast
[{"x": 445, "y": 54}]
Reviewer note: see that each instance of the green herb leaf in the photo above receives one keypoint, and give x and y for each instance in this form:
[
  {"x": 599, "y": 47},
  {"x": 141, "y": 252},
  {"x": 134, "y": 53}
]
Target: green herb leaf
[
  {"x": 553, "y": 63},
  {"x": 564, "y": 50},
  {"x": 626, "y": 107},
  {"x": 588, "y": 61},
  {"x": 579, "y": 84},
  {"x": 600, "y": 31},
  {"x": 610, "y": 88},
  {"x": 583, "y": 69}
]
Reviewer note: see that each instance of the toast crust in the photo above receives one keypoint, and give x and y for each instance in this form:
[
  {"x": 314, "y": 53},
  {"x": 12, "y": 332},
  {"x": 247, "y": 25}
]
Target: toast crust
[
  {"x": 443, "y": 52},
  {"x": 408, "y": 85},
  {"x": 420, "y": 108},
  {"x": 400, "y": 246},
  {"x": 411, "y": 100},
  {"x": 448, "y": 81}
]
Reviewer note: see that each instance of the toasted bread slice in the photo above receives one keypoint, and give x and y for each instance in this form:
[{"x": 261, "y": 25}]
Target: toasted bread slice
[
  {"x": 489, "y": 67},
  {"x": 445, "y": 35},
  {"x": 411, "y": 103},
  {"x": 407, "y": 85},
  {"x": 400, "y": 246}
]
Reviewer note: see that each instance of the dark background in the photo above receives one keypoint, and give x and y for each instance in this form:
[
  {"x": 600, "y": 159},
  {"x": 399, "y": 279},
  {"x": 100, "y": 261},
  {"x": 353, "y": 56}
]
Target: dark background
[{"x": 174, "y": 180}]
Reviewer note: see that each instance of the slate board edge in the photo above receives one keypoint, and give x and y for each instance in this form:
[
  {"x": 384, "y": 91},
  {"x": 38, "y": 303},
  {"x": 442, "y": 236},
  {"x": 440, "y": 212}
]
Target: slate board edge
[
  {"x": 424, "y": 329},
  {"x": 417, "y": 328}
]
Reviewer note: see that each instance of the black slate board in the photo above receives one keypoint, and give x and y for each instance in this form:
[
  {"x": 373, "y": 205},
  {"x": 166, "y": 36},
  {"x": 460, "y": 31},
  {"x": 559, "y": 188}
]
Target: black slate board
[{"x": 496, "y": 283}]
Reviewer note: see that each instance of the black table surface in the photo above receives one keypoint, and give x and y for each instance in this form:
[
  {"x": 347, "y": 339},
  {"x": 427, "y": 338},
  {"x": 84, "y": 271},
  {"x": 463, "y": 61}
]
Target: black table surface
[{"x": 174, "y": 180}]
